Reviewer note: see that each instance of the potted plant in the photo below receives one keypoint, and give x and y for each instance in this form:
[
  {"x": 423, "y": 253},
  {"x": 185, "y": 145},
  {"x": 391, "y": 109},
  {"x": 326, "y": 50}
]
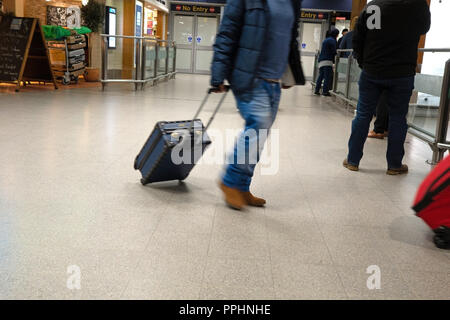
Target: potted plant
[{"x": 92, "y": 15}]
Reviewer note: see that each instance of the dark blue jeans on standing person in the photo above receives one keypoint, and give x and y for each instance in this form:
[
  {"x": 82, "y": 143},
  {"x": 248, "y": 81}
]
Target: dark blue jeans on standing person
[
  {"x": 325, "y": 75},
  {"x": 398, "y": 91}
]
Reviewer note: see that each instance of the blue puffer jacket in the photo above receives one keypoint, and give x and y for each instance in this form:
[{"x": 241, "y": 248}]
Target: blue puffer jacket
[{"x": 240, "y": 42}]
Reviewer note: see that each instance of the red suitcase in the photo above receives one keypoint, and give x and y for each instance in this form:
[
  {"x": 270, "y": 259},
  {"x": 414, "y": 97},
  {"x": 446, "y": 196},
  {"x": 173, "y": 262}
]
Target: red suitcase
[{"x": 432, "y": 203}]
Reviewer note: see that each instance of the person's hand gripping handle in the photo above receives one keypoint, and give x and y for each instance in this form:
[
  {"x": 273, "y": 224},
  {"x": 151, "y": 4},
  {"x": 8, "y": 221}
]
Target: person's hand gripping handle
[{"x": 219, "y": 89}]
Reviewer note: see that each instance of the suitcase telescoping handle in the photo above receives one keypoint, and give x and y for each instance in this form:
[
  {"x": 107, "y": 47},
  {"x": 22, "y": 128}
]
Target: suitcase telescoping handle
[{"x": 210, "y": 90}]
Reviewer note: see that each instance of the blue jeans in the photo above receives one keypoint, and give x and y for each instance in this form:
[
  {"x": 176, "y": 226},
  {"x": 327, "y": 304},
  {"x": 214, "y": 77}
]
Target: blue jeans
[
  {"x": 259, "y": 114},
  {"x": 398, "y": 93},
  {"x": 325, "y": 75}
]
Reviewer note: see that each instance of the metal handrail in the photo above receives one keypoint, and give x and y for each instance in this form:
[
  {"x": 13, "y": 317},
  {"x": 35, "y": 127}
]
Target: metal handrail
[
  {"x": 420, "y": 50},
  {"x": 141, "y": 42},
  {"x": 133, "y": 37},
  {"x": 434, "y": 49}
]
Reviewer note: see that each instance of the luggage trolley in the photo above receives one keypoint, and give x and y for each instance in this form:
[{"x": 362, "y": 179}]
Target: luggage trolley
[{"x": 67, "y": 58}]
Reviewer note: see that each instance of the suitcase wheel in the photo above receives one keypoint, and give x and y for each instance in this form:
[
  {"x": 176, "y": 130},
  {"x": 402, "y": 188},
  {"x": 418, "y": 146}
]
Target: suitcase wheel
[
  {"x": 143, "y": 182},
  {"x": 442, "y": 238},
  {"x": 441, "y": 242}
]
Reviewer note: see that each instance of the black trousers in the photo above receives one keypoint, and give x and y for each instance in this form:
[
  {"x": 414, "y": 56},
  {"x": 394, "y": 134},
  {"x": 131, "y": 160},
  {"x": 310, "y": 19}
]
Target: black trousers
[{"x": 382, "y": 121}]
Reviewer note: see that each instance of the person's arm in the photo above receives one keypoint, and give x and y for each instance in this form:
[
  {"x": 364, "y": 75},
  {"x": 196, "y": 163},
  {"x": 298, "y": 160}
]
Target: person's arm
[
  {"x": 334, "y": 48},
  {"x": 341, "y": 45},
  {"x": 359, "y": 37},
  {"x": 226, "y": 41}
]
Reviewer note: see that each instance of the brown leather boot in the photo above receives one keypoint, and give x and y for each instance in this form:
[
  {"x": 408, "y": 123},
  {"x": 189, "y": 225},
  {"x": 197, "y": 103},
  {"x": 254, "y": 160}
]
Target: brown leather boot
[
  {"x": 252, "y": 200},
  {"x": 233, "y": 197},
  {"x": 349, "y": 166},
  {"x": 396, "y": 171}
]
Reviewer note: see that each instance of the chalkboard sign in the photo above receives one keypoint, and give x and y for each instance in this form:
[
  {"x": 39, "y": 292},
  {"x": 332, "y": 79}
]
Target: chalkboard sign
[
  {"x": 15, "y": 35},
  {"x": 23, "y": 51}
]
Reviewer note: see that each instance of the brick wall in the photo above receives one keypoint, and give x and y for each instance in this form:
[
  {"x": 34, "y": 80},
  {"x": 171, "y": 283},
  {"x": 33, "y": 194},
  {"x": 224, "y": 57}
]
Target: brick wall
[{"x": 38, "y": 8}]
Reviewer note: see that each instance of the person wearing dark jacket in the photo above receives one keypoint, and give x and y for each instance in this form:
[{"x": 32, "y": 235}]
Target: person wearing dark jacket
[
  {"x": 346, "y": 43},
  {"x": 344, "y": 32},
  {"x": 347, "y": 39},
  {"x": 326, "y": 61},
  {"x": 387, "y": 54},
  {"x": 255, "y": 48}
]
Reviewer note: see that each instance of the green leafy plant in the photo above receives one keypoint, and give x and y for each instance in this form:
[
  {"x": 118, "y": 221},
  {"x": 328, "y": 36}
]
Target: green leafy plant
[{"x": 93, "y": 14}]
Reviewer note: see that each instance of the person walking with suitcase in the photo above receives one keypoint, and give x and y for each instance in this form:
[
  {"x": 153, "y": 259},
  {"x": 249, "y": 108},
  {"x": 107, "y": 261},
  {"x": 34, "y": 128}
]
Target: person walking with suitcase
[
  {"x": 255, "y": 46},
  {"x": 385, "y": 46}
]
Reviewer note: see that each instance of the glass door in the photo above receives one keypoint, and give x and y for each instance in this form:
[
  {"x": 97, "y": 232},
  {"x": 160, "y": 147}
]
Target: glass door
[
  {"x": 206, "y": 29},
  {"x": 311, "y": 37},
  {"x": 183, "y": 29},
  {"x": 194, "y": 36}
]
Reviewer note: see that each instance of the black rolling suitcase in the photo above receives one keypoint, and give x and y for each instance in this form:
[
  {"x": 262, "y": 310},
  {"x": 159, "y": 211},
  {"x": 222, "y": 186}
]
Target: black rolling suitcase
[{"x": 174, "y": 147}]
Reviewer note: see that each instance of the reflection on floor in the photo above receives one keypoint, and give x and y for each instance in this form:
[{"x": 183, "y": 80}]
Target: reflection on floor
[{"x": 69, "y": 199}]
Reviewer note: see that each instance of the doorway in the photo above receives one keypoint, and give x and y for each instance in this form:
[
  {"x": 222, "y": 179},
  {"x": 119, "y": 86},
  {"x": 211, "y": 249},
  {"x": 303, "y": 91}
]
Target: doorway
[
  {"x": 312, "y": 34},
  {"x": 194, "y": 36}
]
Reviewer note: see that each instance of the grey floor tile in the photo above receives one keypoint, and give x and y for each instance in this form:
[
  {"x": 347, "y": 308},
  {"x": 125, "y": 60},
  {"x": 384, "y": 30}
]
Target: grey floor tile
[
  {"x": 251, "y": 222},
  {"x": 225, "y": 245},
  {"x": 248, "y": 273},
  {"x": 220, "y": 292},
  {"x": 200, "y": 222},
  {"x": 237, "y": 279},
  {"x": 161, "y": 292},
  {"x": 40, "y": 285},
  {"x": 179, "y": 243},
  {"x": 358, "y": 254},
  {"x": 300, "y": 251},
  {"x": 416, "y": 258},
  {"x": 428, "y": 285},
  {"x": 169, "y": 270},
  {"x": 358, "y": 284},
  {"x": 338, "y": 234},
  {"x": 299, "y": 281}
]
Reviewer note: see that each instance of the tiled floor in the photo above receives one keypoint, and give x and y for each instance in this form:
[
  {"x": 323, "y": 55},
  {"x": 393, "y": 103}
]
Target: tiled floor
[{"x": 69, "y": 196}]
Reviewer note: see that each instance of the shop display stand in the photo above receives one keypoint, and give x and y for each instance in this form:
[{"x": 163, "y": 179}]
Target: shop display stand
[{"x": 68, "y": 58}]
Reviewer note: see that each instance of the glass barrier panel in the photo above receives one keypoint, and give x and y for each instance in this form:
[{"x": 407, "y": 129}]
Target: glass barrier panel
[
  {"x": 171, "y": 59},
  {"x": 424, "y": 105},
  {"x": 341, "y": 83},
  {"x": 162, "y": 57},
  {"x": 116, "y": 67},
  {"x": 355, "y": 73},
  {"x": 149, "y": 59}
]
